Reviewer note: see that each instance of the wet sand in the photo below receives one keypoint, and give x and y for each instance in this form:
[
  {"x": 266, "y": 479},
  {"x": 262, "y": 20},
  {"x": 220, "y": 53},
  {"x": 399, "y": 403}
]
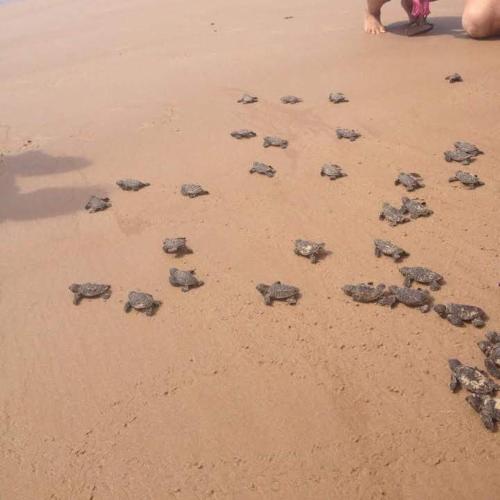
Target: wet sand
[{"x": 218, "y": 396}]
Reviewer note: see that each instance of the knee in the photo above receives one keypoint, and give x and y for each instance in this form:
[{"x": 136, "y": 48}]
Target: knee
[{"x": 475, "y": 25}]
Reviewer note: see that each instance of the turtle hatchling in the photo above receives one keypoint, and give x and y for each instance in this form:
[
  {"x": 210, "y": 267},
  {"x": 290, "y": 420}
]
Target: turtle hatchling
[
  {"x": 131, "y": 184},
  {"x": 487, "y": 407},
  {"x": 290, "y": 99},
  {"x": 248, "y": 99},
  {"x": 176, "y": 246},
  {"x": 491, "y": 349},
  {"x": 458, "y": 314},
  {"x": 468, "y": 148},
  {"x": 345, "y": 133},
  {"x": 409, "y": 181},
  {"x": 469, "y": 180},
  {"x": 275, "y": 142},
  {"x": 184, "y": 279},
  {"x": 337, "y": 97},
  {"x": 143, "y": 302},
  {"x": 262, "y": 168},
  {"x": 472, "y": 379},
  {"x": 365, "y": 292},
  {"x": 416, "y": 208},
  {"x": 279, "y": 291},
  {"x": 192, "y": 190},
  {"x": 459, "y": 156},
  {"x": 454, "y": 78},
  {"x": 393, "y": 215},
  {"x": 96, "y": 204},
  {"x": 332, "y": 171},
  {"x": 243, "y": 134},
  {"x": 421, "y": 275},
  {"x": 89, "y": 291},
  {"x": 411, "y": 297},
  {"x": 309, "y": 249},
  {"x": 386, "y": 247}
]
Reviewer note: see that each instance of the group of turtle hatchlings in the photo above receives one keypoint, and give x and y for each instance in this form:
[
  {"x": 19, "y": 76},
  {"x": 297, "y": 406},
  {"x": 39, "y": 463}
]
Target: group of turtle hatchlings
[{"x": 477, "y": 382}]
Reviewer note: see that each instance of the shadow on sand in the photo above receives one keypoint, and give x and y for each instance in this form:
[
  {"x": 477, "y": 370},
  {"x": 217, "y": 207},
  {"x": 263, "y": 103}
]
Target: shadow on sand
[{"x": 44, "y": 202}]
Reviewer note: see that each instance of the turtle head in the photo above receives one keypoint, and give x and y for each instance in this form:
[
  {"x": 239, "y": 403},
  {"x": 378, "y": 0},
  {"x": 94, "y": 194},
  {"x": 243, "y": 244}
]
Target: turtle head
[
  {"x": 74, "y": 287},
  {"x": 485, "y": 346},
  {"x": 440, "y": 309},
  {"x": 348, "y": 289},
  {"x": 262, "y": 288},
  {"x": 403, "y": 270},
  {"x": 493, "y": 337},
  {"x": 173, "y": 271},
  {"x": 454, "y": 364}
]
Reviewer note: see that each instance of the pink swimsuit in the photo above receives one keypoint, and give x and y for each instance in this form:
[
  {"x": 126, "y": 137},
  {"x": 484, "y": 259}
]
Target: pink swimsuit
[{"x": 420, "y": 9}]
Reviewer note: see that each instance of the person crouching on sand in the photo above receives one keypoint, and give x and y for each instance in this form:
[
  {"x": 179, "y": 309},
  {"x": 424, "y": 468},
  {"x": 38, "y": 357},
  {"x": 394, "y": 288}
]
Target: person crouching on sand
[{"x": 480, "y": 19}]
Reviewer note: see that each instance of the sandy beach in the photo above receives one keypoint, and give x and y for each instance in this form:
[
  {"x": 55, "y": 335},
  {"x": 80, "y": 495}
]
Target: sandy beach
[{"x": 217, "y": 395}]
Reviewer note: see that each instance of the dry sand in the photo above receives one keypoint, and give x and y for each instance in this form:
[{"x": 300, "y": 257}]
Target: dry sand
[{"x": 217, "y": 395}]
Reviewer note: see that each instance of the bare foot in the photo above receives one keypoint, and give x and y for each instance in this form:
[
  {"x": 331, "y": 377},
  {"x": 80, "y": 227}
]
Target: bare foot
[{"x": 373, "y": 24}]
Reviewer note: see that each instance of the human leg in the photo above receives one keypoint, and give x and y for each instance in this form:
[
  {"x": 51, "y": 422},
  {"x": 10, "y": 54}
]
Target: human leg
[{"x": 481, "y": 18}]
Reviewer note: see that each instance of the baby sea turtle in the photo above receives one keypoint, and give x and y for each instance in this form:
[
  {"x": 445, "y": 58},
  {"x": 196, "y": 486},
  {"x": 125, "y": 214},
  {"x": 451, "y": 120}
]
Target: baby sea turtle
[
  {"x": 469, "y": 180},
  {"x": 393, "y": 215},
  {"x": 454, "y": 78},
  {"x": 468, "y": 148},
  {"x": 386, "y": 247},
  {"x": 262, "y": 168},
  {"x": 332, "y": 171},
  {"x": 248, "y": 99},
  {"x": 243, "y": 133},
  {"x": 143, "y": 302},
  {"x": 290, "y": 99},
  {"x": 421, "y": 275},
  {"x": 184, "y": 279},
  {"x": 410, "y": 181},
  {"x": 131, "y": 184},
  {"x": 90, "y": 291},
  {"x": 309, "y": 249},
  {"x": 487, "y": 407},
  {"x": 472, "y": 379},
  {"x": 459, "y": 156},
  {"x": 491, "y": 349},
  {"x": 176, "y": 246},
  {"x": 279, "y": 291},
  {"x": 275, "y": 142},
  {"x": 365, "y": 292},
  {"x": 345, "y": 133},
  {"x": 337, "y": 97},
  {"x": 457, "y": 314},
  {"x": 415, "y": 207},
  {"x": 96, "y": 204},
  {"x": 411, "y": 297},
  {"x": 192, "y": 190}
]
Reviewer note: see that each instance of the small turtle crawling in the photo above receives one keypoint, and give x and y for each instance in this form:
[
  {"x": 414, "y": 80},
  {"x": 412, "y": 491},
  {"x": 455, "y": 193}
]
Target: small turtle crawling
[
  {"x": 248, "y": 99},
  {"x": 96, "y": 204},
  {"x": 469, "y": 180},
  {"x": 279, "y": 291},
  {"x": 468, "y": 148},
  {"x": 386, "y": 247},
  {"x": 472, "y": 379},
  {"x": 176, "y": 246},
  {"x": 457, "y": 314},
  {"x": 131, "y": 184},
  {"x": 487, "y": 407},
  {"x": 421, "y": 275},
  {"x": 275, "y": 142},
  {"x": 309, "y": 249},
  {"x": 459, "y": 156},
  {"x": 243, "y": 134},
  {"x": 491, "y": 349},
  {"x": 410, "y": 181},
  {"x": 454, "y": 78},
  {"x": 365, "y": 292},
  {"x": 143, "y": 302},
  {"x": 415, "y": 207},
  {"x": 393, "y": 215},
  {"x": 262, "y": 168},
  {"x": 411, "y": 297},
  {"x": 192, "y": 190},
  {"x": 184, "y": 279},
  {"x": 337, "y": 97},
  {"x": 290, "y": 99},
  {"x": 89, "y": 291},
  {"x": 345, "y": 133},
  {"x": 332, "y": 171}
]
